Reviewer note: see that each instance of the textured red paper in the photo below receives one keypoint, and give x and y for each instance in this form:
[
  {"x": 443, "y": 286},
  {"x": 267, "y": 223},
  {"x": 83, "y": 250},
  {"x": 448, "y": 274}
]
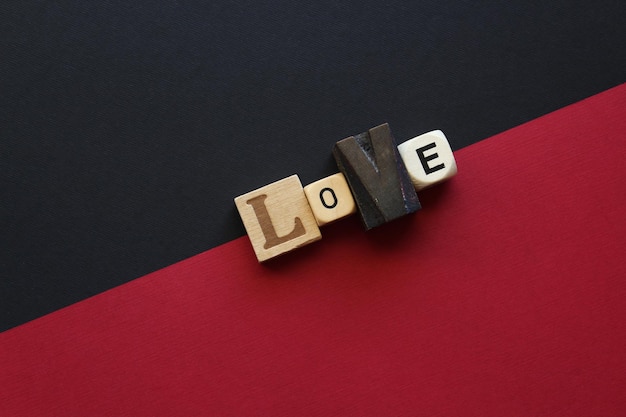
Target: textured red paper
[{"x": 505, "y": 295}]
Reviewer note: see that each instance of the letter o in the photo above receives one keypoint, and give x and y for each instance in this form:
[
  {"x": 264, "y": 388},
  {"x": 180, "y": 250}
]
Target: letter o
[{"x": 332, "y": 193}]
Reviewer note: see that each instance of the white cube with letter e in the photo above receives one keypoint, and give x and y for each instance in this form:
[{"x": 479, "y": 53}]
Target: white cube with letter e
[{"x": 428, "y": 159}]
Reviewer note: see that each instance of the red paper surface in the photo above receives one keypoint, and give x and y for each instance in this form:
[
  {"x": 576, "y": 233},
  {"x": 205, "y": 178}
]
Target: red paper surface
[{"x": 505, "y": 295}]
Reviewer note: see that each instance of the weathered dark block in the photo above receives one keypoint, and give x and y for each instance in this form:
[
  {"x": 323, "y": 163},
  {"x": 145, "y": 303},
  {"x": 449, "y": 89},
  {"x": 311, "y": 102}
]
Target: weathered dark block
[{"x": 377, "y": 176}]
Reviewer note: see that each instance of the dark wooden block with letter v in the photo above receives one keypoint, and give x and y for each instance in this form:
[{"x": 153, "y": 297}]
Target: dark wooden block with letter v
[{"x": 377, "y": 176}]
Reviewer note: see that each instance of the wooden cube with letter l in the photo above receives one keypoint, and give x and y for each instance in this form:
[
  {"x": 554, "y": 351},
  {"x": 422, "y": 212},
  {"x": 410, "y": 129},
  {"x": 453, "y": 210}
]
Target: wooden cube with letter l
[{"x": 278, "y": 218}]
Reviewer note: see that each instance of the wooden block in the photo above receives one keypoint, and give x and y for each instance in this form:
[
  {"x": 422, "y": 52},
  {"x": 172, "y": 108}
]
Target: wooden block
[
  {"x": 377, "y": 176},
  {"x": 330, "y": 199},
  {"x": 428, "y": 159},
  {"x": 278, "y": 218}
]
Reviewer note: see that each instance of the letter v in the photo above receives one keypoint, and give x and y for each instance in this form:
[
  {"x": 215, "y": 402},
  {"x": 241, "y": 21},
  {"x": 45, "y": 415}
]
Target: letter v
[{"x": 377, "y": 176}]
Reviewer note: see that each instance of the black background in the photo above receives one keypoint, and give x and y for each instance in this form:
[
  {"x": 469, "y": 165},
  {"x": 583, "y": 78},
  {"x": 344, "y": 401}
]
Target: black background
[{"x": 127, "y": 128}]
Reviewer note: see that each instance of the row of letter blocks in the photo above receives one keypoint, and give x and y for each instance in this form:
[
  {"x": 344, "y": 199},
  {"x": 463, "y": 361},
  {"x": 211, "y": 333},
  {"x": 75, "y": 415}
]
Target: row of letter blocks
[{"x": 377, "y": 178}]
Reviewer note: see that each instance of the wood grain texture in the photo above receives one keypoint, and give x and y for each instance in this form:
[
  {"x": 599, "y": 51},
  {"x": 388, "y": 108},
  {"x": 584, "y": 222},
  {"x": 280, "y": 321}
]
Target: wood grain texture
[
  {"x": 278, "y": 218},
  {"x": 330, "y": 199},
  {"x": 428, "y": 158},
  {"x": 377, "y": 176}
]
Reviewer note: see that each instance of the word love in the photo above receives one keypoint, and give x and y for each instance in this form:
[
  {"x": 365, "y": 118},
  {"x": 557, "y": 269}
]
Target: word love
[{"x": 377, "y": 177}]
